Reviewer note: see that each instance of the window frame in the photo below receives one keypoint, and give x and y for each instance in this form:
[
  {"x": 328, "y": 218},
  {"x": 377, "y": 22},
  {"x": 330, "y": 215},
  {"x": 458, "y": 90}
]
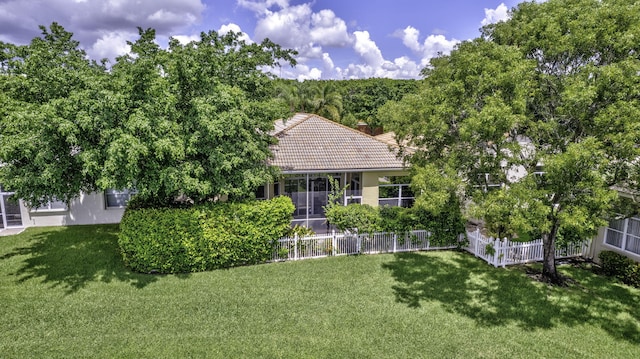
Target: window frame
[
  {"x": 624, "y": 236},
  {"x": 127, "y": 192}
]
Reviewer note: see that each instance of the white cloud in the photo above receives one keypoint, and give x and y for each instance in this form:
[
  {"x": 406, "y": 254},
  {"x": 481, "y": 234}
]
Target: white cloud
[
  {"x": 185, "y": 39},
  {"x": 329, "y": 30},
  {"x": 262, "y": 7},
  {"x": 224, "y": 29},
  {"x": 94, "y": 23},
  {"x": 111, "y": 45},
  {"x": 491, "y": 16},
  {"x": 367, "y": 49},
  {"x": 432, "y": 46},
  {"x": 299, "y": 27}
]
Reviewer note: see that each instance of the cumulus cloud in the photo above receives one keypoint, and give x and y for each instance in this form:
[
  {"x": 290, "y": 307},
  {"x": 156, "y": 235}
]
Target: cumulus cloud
[
  {"x": 328, "y": 30},
  {"x": 299, "y": 27},
  {"x": 262, "y": 7},
  {"x": 110, "y": 45},
  {"x": 101, "y": 27},
  {"x": 367, "y": 49},
  {"x": 224, "y": 29},
  {"x": 185, "y": 39},
  {"x": 431, "y": 47},
  {"x": 400, "y": 68},
  {"x": 491, "y": 16}
]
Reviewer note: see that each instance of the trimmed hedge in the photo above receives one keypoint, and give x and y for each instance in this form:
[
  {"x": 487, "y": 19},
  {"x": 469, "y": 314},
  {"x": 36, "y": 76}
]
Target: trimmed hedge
[
  {"x": 203, "y": 237},
  {"x": 445, "y": 226},
  {"x": 621, "y": 267}
]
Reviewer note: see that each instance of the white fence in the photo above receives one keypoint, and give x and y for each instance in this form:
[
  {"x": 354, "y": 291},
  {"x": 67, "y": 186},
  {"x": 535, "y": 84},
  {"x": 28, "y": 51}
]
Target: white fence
[
  {"x": 336, "y": 244},
  {"x": 500, "y": 253},
  {"x": 494, "y": 251}
]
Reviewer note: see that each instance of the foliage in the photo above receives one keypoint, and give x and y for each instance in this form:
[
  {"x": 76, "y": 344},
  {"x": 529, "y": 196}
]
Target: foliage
[
  {"x": 344, "y": 101},
  {"x": 360, "y": 218},
  {"x": 553, "y": 86},
  {"x": 300, "y": 231},
  {"x": 204, "y": 237},
  {"x": 621, "y": 267},
  {"x": 165, "y": 121},
  {"x": 445, "y": 227}
]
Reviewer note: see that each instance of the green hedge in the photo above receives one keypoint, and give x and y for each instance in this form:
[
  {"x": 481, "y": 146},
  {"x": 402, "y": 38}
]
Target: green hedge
[
  {"x": 445, "y": 226},
  {"x": 203, "y": 237},
  {"x": 621, "y": 267}
]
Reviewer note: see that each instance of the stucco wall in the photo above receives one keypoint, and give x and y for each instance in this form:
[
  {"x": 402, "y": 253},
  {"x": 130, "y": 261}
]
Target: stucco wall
[
  {"x": 87, "y": 209},
  {"x": 599, "y": 245},
  {"x": 370, "y": 185}
]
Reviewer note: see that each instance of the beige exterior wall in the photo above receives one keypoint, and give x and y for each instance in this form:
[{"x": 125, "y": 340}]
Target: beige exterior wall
[
  {"x": 86, "y": 209},
  {"x": 370, "y": 185},
  {"x": 598, "y": 245}
]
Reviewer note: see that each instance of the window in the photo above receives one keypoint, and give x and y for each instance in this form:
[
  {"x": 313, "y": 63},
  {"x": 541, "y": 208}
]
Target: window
[
  {"x": 488, "y": 183},
  {"x": 118, "y": 199},
  {"x": 395, "y": 191},
  {"x": 353, "y": 193},
  {"x": 51, "y": 206},
  {"x": 624, "y": 234},
  {"x": 260, "y": 192}
]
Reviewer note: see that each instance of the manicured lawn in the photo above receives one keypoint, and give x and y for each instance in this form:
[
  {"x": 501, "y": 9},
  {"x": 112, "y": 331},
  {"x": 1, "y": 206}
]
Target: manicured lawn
[{"x": 65, "y": 293}]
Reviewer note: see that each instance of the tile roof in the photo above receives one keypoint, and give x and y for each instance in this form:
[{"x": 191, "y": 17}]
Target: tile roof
[
  {"x": 388, "y": 137},
  {"x": 312, "y": 143}
]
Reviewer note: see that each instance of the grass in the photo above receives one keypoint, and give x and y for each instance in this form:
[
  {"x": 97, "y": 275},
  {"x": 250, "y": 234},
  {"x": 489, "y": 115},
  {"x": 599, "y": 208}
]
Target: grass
[{"x": 65, "y": 293}]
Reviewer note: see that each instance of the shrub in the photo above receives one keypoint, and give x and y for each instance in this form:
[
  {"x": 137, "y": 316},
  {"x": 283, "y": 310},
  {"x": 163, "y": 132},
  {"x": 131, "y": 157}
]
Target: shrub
[
  {"x": 203, "y": 237},
  {"x": 354, "y": 217},
  {"x": 445, "y": 227},
  {"x": 621, "y": 267}
]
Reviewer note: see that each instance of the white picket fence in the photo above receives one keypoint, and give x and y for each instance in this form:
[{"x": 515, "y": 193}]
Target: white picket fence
[
  {"x": 336, "y": 244},
  {"x": 496, "y": 252},
  {"x": 501, "y": 253}
]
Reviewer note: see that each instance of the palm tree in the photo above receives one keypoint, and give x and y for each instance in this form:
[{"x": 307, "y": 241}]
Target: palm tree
[
  {"x": 296, "y": 95},
  {"x": 327, "y": 101}
]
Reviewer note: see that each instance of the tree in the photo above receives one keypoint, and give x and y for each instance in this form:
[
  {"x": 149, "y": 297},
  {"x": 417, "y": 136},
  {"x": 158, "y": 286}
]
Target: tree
[
  {"x": 327, "y": 101},
  {"x": 50, "y": 127},
  {"x": 191, "y": 120},
  {"x": 545, "y": 103}
]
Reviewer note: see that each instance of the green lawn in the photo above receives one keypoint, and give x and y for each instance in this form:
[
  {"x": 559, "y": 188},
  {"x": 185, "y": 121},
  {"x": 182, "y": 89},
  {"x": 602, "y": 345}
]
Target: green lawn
[{"x": 65, "y": 293}]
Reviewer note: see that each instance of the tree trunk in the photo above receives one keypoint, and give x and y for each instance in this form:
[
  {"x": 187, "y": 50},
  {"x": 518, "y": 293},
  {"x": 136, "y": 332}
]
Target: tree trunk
[{"x": 549, "y": 271}]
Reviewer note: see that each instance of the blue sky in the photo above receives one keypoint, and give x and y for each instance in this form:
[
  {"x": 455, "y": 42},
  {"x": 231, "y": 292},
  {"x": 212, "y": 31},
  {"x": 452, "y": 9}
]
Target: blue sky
[{"x": 336, "y": 39}]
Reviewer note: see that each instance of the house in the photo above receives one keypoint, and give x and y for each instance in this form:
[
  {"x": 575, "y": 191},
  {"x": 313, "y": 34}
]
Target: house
[
  {"x": 93, "y": 208},
  {"x": 622, "y": 235},
  {"x": 311, "y": 151}
]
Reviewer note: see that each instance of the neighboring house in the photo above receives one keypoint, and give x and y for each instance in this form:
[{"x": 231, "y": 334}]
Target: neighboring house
[
  {"x": 94, "y": 208},
  {"x": 311, "y": 150},
  {"x": 622, "y": 235}
]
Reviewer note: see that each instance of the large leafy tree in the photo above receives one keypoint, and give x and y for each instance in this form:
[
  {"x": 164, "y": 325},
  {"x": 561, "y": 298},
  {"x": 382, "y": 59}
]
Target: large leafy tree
[
  {"x": 189, "y": 120},
  {"x": 547, "y": 103},
  {"x": 53, "y": 117}
]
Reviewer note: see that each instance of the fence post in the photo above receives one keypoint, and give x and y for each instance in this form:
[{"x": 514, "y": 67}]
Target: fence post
[
  {"x": 295, "y": 247},
  {"x": 476, "y": 239},
  {"x": 334, "y": 242},
  {"x": 503, "y": 252},
  {"x": 395, "y": 241},
  {"x": 358, "y": 243},
  {"x": 496, "y": 248}
]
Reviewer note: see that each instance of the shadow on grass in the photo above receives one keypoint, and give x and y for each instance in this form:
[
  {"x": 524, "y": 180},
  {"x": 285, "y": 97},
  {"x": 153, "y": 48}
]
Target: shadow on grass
[
  {"x": 464, "y": 285},
  {"x": 71, "y": 257}
]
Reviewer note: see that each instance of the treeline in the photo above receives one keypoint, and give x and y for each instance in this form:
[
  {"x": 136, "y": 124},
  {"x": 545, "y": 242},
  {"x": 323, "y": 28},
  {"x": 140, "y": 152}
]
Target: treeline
[{"x": 345, "y": 101}]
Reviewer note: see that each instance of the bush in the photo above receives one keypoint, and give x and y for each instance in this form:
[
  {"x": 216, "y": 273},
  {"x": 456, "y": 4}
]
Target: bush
[
  {"x": 203, "y": 237},
  {"x": 354, "y": 217},
  {"x": 445, "y": 227},
  {"x": 621, "y": 267}
]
